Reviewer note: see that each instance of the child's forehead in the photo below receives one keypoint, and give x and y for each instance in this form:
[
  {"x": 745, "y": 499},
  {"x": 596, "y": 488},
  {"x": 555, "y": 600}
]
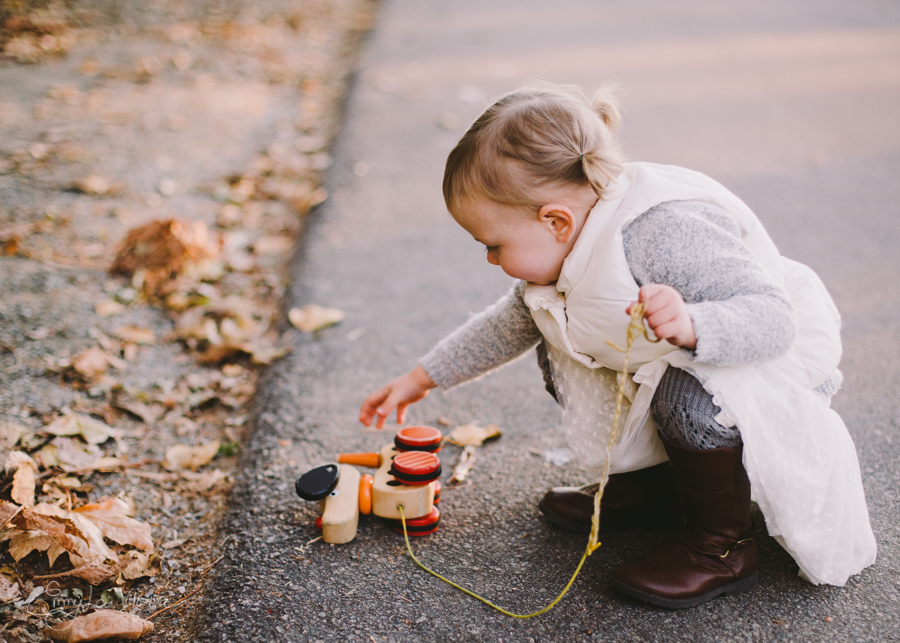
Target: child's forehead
[{"x": 485, "y": 209}]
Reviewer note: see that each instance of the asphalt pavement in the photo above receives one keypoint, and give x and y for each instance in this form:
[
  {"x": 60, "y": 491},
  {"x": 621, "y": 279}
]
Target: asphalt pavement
[{"x": 791, "y": 104}]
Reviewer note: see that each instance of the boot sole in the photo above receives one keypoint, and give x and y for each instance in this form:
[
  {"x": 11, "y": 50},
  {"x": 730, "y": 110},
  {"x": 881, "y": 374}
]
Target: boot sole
[{"x": 732, "y": 589}]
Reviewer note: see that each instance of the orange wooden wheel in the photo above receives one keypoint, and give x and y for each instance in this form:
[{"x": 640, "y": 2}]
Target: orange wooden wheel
[{"x": 365, "y": 494}]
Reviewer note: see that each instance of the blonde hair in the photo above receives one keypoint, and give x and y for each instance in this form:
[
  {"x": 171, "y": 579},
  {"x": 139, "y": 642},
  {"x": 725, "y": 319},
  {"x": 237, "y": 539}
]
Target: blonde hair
[{"x": 538, "y": 135}]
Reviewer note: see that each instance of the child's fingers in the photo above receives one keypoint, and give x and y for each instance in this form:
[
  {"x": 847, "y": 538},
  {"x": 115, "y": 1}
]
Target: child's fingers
[
  {"x": 669, "y": 330},
  {"x": 648, "y": 291},
  {"x": 662, "y": 316},
  {"x": 384, "y": 410},
  {"x": 401, "y": 413},
  {"x": 654, "y": 297},
  {"x": 370, "y": 406}
]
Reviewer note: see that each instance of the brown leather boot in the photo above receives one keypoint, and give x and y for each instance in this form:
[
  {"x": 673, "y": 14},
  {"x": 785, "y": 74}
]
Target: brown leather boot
[
  {"x": 714, "y": 553},
  {"x": 647, "y": 498}
]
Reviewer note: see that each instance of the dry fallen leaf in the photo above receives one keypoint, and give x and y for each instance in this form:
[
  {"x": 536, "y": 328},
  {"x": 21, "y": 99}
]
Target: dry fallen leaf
[
  {"x": 102, "y": 624},
  {"x": 312, "y": 318},
  {"x": 169, "y": 244},
  {"x": 463, "y": 466},
  {"x": 183, "y": 456},
  {"x": 93, "y": 574},
  {"x": 203, "y": 482},
  {"x": 136, "y": 564},
  {"x": 51, "y": 533},
  {"x": 148, "y": 414},
  {"x": 7, "y": 511},
  {"x": 135, "y": 335},
  {"x": 9, "y": 591},
  {"x": 93, "y": 184},
  {"x": 91, "y": 547},
  {"x": 93, "y": 431},
  {"x": 473, "y": 435},
  {"x": 109, "y": 308},
  {"x": 10, "y": 434},
  {"x": 23, "y": 478},
  {"x": 111, "y": 517},
  {"x": 91, "y": 363}
]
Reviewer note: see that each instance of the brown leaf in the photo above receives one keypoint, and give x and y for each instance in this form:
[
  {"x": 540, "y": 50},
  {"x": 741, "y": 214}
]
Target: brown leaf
[
  {"x": 93, "y": 431},
  {"x": 183, "y": 456},
  {"x": 203, "y": 482},
  {"x": 22, "y": 543},
  {"x": 10, "y": 434},
  {"x": 91, "y": 363},
  {"x": 23, "y": 468},
  {"x": 144, "y": 412},
  {"x": 464, "y": 466},
  {"x": 156, "y": 476},
  {"x": 135, "y": 335},
  {"x": 172, "y": 544},
  {"x": 312, "y": 318},
  {"x": 109, "y": 308},
  {"x": 111, "y": 516},
  {"x": 137, "y": 564},
  {"x": 169, "y": 244},
  {"x": 272, "y": 244},
  {"x": 93, "y": 574},
  {"x": 102, "y": 624},
  {"x": 71, "y": 455},
  {"x": 473, "y": 435},
  {"x": 38, "y": 531},
  {"x": 93, "y": 184},
  {"x": 9, "y": 591},
  {"x": 218, "y": 353},
  {"x": 91, "y": 547},
  {"x": 7, "y": 511},
  {"x": 263, "y": 354}
]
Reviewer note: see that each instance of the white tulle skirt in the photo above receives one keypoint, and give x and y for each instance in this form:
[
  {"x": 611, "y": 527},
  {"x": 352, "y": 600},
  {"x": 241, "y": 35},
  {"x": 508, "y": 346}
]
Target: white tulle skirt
[{"x": 798, "y": 454}]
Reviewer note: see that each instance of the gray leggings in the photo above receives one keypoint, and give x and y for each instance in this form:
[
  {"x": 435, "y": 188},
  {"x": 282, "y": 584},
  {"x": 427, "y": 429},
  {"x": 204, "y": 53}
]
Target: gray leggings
[
  {"x": 685, "y": 414},
  {"x": 682, "y": 409}
]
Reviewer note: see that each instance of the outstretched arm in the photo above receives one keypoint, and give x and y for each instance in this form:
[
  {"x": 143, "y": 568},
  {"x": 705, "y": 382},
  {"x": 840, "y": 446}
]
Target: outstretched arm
[
  {"x": 490, "y": 339},
  {"x": 487, "y": 341}
]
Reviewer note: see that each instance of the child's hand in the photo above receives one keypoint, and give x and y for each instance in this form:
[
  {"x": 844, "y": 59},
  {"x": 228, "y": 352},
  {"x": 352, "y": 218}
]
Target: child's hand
[
  {"x": 667, "y": 315},
  {"x": 400, "y": 393}
]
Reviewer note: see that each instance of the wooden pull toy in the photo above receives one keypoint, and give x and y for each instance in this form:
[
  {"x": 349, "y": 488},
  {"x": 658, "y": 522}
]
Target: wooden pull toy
[{"x": 407, "y": 473}]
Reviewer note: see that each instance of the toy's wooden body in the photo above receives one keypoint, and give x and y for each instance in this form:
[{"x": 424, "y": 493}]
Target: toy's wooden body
[
  {"x": 387, "y": 493},
  {"x": 340, "y": 510}
]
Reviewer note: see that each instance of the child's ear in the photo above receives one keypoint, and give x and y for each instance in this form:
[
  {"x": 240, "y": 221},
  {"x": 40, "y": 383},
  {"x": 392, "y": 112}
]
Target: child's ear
[{"x": 559, "y": 220}]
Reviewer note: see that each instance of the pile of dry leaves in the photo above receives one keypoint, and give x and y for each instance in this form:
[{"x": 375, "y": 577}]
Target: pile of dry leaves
[{"x": 74, "y": 542}]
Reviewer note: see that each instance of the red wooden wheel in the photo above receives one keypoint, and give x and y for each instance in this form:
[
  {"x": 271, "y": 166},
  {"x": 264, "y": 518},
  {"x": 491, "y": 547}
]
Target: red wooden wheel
[
  {"x": 420, "y": 526},
  {"x": 416, "y": 467},
  {"x": 418, "y": 438}
]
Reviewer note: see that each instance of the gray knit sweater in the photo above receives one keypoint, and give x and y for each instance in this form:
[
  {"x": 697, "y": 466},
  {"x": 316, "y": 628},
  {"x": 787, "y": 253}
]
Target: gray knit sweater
[{"x": 740, "y": 315}]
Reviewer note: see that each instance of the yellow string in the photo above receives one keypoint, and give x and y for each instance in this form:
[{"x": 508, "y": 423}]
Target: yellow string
[{"x": 635, "y": 328}]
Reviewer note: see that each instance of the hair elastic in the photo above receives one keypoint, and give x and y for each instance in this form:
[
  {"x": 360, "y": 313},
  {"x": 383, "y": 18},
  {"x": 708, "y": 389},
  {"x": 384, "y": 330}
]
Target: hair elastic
[{"x": 581, "y": 156}]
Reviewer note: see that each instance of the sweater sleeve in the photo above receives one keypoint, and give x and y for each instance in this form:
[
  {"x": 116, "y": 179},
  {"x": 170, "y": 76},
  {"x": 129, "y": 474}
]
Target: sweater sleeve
[
  {"x": 490, "y": 339},
  {"x": 740, "y": 315}
]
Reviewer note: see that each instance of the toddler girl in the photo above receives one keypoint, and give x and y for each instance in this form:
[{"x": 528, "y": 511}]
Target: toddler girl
[{"x": 739, "y": 393}]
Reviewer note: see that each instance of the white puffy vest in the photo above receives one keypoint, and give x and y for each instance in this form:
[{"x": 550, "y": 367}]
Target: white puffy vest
[{"x": 586, "y": 306}]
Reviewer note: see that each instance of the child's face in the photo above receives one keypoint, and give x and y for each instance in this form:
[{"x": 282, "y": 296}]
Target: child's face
[{"x": 527, "y": 248}]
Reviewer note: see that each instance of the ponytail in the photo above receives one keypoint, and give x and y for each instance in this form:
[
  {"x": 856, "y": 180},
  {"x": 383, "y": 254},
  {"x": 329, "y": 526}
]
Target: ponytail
[{"x": 606, "y": 104}]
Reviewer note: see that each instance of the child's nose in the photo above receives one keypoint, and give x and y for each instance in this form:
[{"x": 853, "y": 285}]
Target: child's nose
[{"x": 492, "y": 258}]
